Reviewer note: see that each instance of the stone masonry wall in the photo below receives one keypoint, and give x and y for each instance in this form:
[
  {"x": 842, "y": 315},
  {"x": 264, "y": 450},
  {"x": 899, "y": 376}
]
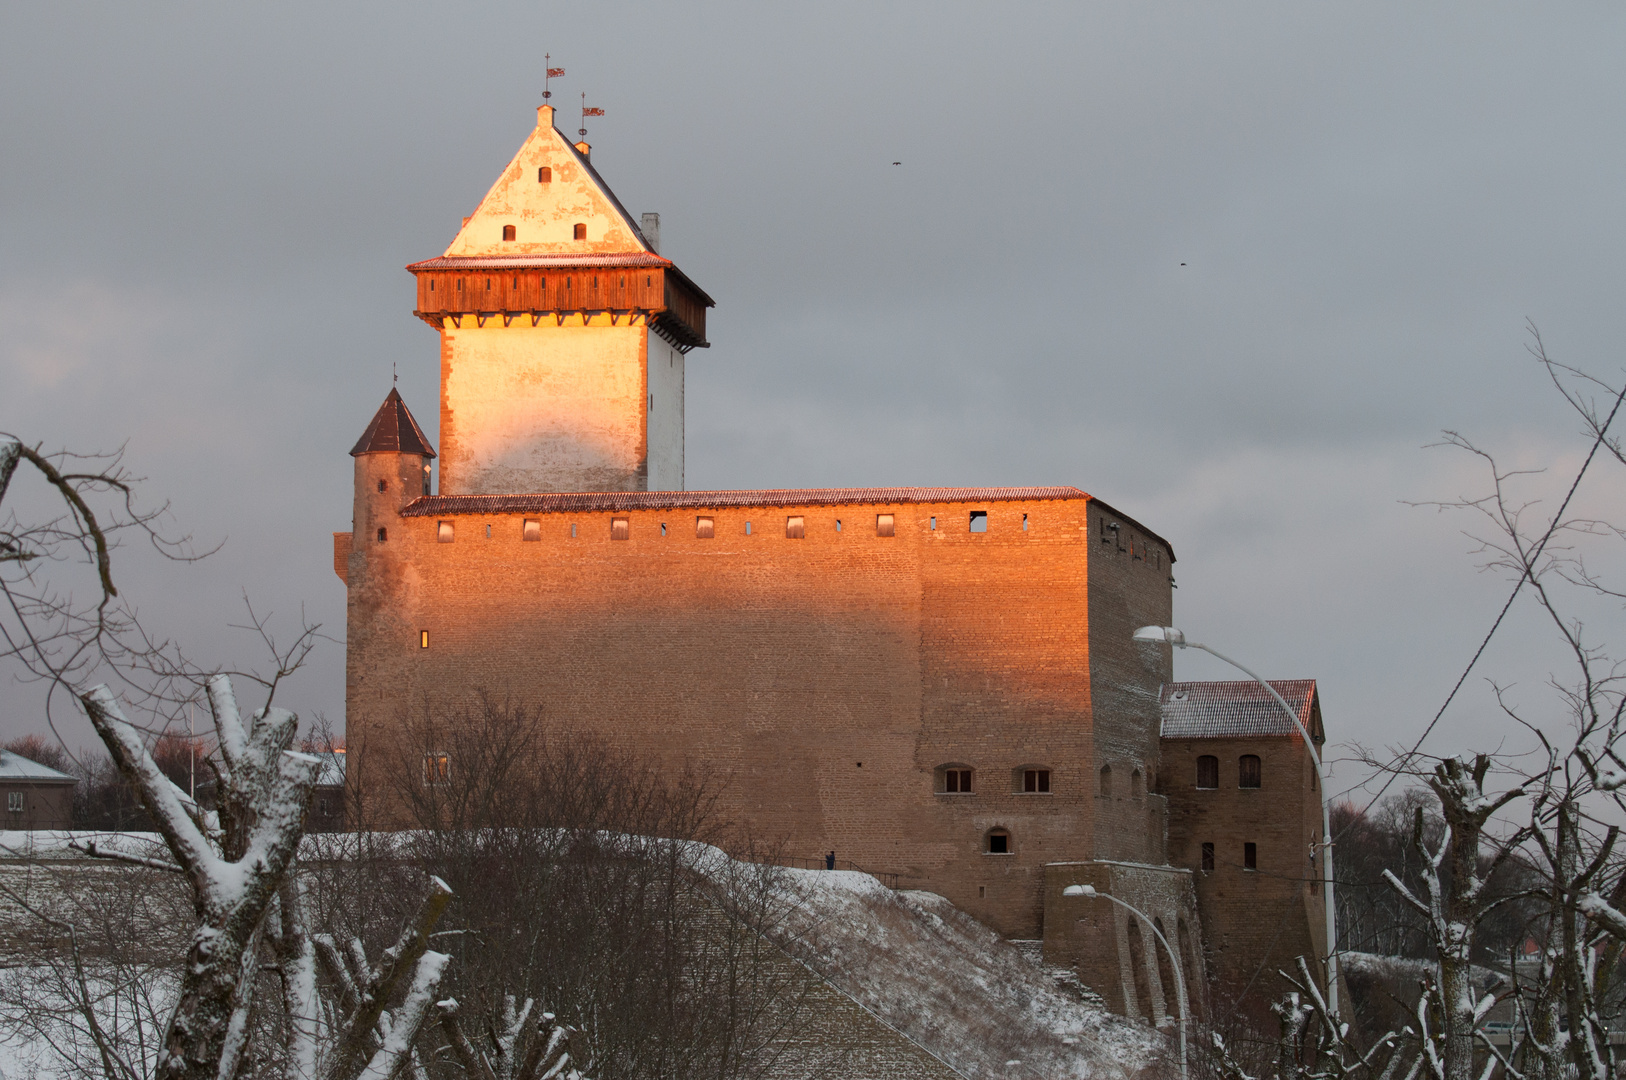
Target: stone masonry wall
[{"x": 827, "y": 680}]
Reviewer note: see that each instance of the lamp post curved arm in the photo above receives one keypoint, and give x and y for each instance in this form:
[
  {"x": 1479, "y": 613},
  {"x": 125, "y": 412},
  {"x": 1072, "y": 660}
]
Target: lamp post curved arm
[
  {"x": 1174, "y": 957},
  {"x": 1172, "y": 636}
]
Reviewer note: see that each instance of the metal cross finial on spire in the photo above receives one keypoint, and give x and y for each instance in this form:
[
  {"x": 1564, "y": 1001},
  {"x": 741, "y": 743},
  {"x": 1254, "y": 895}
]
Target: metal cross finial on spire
[
  {"x": 552, "y": 73},
  {"x": 586, "y": 112}
]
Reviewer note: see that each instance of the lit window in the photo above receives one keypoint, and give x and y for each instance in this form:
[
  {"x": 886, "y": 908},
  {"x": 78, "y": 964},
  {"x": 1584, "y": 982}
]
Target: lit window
[
  {"x": 544, "y": 175},
  {"x": 444, "y": 533},
  {"x": 979, "y": 521},
  {"x": 619, "y": 529},
  {"x": 999, "y": 842},
  {"x": 1250, "y": 856},
  {"x": 1208, "y": 771},
  {"x": 704, "y": 528},
  {"x": 423, "y": 639},
  {"x": 507, "y": 232},
  {"x": 14, "y": 801},
  {"x": 437, "y": 767},
  {"x": 531, "y": 529},
  {"x": 957, "y": 781},
  {"x": 884, "y": 525},
  {"x": 1208, "y": 858},
  {"x": 1036, "y": 781},
  {"x": 1249, "y": 772},
  {"x": 794, "y": 529},
  {"x": 581, "y": 231}
]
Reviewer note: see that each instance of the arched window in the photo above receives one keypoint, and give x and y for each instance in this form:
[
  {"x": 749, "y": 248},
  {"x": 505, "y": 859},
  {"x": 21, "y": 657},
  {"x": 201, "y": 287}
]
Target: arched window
[
  {"x": 507, "y": 232},
  {"x": 999, "y": 842},
  {"x": 1208, "y": 771},
  {"x": 581, "y": 231},
  {"x": 1135, "y": 784},
  {"x": 1249, "y": 772},
  {"x": 1106, "y": 780},
  {"x": 544, "y": 175}
]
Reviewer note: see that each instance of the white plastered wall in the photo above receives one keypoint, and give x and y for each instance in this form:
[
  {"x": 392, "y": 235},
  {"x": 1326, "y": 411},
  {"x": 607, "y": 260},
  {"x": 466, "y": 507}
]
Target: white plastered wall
[
  {"x": 665, "y": 402},
  {"x": 546, "y": 408}
]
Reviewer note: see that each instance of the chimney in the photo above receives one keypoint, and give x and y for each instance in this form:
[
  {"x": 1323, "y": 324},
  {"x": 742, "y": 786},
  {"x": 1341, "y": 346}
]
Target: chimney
[
  {"x": 651, "y": 228},
  {"x": 544, "y": 116}
]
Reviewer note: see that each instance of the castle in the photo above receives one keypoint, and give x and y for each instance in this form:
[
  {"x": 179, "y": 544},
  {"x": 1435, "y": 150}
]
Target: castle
[{"x": 939, "y": 684}]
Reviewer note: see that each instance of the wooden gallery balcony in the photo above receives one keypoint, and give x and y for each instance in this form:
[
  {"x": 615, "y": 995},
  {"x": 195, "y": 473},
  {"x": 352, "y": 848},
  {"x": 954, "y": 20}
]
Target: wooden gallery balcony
[{"x": 557, "y": 287}]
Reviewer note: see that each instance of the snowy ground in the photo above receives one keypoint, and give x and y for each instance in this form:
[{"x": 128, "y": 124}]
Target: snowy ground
[{"x": 954, "y": 986}]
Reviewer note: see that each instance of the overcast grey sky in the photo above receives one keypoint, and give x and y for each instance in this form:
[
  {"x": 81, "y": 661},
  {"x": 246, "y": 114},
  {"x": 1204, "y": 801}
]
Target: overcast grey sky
[{"x": 1228, "y": 267}]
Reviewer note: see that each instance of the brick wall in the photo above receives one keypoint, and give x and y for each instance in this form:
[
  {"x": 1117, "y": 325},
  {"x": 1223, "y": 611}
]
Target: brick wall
[
  {"x": 826, "y": 679},
  {"x": 1254, "y": 921}
]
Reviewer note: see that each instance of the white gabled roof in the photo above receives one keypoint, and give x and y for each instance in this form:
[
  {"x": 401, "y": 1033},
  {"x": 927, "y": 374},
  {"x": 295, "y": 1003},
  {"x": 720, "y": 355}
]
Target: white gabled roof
[{"x": 17, "y": 767}]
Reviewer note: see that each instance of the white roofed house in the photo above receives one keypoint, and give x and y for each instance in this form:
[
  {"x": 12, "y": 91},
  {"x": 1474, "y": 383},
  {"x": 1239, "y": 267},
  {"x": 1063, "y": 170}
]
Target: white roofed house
[{"x": 35, "y": 796}]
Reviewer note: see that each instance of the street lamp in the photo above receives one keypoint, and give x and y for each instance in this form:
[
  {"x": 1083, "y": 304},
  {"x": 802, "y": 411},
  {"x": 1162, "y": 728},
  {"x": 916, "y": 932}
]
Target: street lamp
[
  {"x": 1172, "y": 636},
  {"x": 1174, "y": 958}
]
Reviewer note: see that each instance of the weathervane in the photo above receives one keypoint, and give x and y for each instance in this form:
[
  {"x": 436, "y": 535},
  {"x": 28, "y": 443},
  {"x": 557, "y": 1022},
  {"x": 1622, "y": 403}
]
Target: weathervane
[
  {"x": 552, "y": 73},
  {"x": 586, "y": 112}
]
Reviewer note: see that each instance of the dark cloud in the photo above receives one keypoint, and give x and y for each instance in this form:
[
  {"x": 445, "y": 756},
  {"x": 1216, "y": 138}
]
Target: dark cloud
[{"x": 204, "y": 213}]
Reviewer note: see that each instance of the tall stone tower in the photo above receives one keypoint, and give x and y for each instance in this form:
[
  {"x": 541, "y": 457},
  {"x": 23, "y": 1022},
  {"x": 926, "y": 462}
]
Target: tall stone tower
[{"x": 562, "y": 335}]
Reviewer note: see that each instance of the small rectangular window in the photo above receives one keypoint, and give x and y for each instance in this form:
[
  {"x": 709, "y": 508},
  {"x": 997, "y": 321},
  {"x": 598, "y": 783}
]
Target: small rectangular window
[
  {"x": 979, "y": 521},
  {"x": 1250, "y": 856},
  {"x": 532, "y": 529},
  {"x": 794, "y": 529},
  {"x": 884, "y": 525},
  {"x": 1208, "y": 771},
  {"x": 704, "y": 528},
  {"x": 934, "y": 524},
  {"x": 444, "y": 532},
  {"x": 957, "y": 781},
  {"x": 838, "y": 524},
  {"x": 663, "y": 528},
  {"x": 437, "y": 768},
  {"x": 14, "y": 801},
  {"x": 619, "y": 529},
  {"x": 1208, "y": 858},
  {"x": 1249, "y": 772},
  {"x": 1024, "y": 523},
  {"x": 999, "y": 843},
  {"x": 1036, "y": 781},
  {"x": 747, "y": 528},
  {"x": 423, "y": 639},
  {"x": 573, "y": 530}
]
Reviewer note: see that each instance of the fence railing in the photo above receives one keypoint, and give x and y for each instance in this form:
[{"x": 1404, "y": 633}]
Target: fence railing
[{"x": 885, "y": 877}]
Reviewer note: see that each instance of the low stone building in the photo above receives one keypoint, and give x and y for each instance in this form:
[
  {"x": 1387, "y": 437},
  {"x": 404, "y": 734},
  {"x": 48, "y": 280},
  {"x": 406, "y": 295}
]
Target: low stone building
[
  {"x": 36, "y": 796},
  {"x": 1244, "y": 808}
]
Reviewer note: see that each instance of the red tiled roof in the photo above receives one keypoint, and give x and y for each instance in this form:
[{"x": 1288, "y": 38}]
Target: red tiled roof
[
  {"x": 1224, "y": 710},
  {"x": 588, "y": 501},
  {"x": 393, "y": 431},
  {"x": 517, "y": 261}
]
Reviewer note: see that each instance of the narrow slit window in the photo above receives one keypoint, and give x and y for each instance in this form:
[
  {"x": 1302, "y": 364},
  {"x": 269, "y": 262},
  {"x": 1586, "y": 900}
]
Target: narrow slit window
[
  {"x": 663, "y": 528},
  {"x": 838, "y": 524},
  {"x": 488, "y": 531},
  {"x": 999, "y": 842},
  {"x": 1024, "y": 523},
  {"x": 423, "y": 639},
  {"x": 1249, "y": 771},
  {"x": 1036, "y": 781},
  {"x": 581, "y": 231},
  {"x": 1208, "y": 857},
  {"x": 884, "y": 525},
  {"x": 704, "y": 528},
  {"x": 383, "y": 485},
  {"x": 794, "y": 529},
  {"x": 934, "y": 524},
  {"x": 444, "y": 532},
  {"x": 1208, "y": 771},
  {"x": 620, "y": 529},
  {"x": 573, "y": 530},
  {"x": 531, "y": 530},
  {"x": 383, "y": 535},
  {"x": 1250, "y": 856},
  {"x": 507, "y": 232},
  {"x": 979, "y": 521},
  {"x": 544, "y": 175},
  {"x": 1106, "y": 780},
  {"x": 747, "y": 528}
]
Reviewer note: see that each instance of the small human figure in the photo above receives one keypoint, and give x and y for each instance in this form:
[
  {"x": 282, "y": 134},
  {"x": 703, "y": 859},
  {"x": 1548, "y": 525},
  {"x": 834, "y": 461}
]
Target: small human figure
[{"x": 830, "y": 861}]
